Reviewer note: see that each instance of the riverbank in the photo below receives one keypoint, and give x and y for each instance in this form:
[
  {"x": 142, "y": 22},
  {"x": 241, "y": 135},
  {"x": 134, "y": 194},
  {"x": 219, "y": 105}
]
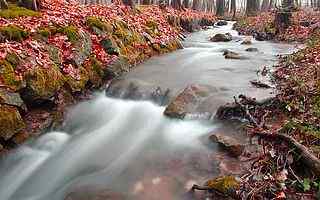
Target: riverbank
[
  {"x": 288, "y": 126},
  {"x": 50, "y": 59}
]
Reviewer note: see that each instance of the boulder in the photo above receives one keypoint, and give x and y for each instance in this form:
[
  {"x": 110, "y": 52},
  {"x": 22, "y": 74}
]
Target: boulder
[
  {"x": 226, "y": 185},
  {"x": 11, "y": 98},
  {"x": 230, "y": 111},
  {"x": 10, "y": 121},
  {"x": 42, "y": 84},
  {"x": 233, "y": 55},
  {"x": 82, "y": 48},
  {"x": 188, "y": 102},
  {"x": 252, "y": 49},
  {"x": 221, "y": 37},
  {"x": 222, "y": 23},
  {"x": 110, "y": 46},
  {"x": 246, "y": 41},
  {"x": 117, "y": 67},
  {"x": 138, "y": 90},
  {"x": 228, "y": 143}
]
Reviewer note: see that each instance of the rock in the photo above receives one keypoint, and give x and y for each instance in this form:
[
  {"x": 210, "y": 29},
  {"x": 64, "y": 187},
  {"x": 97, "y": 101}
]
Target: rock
[
  {"x": 228, "y": 143},
  {"x": 230, "y": 111},
  {"x": 233, "y": 55},
  {"x": 138, "y": 90},
  {"x": 8, "y": 76},
  {"x": 221, "y": 37},
  {"x": 79, "y": 83},
  {"x": 252, "y": 49},
  {"x": 117, "y": 67},
  {"x": 110, "y": 46},
  {"x": 82, "y": 48},
  {"x": 260, "y": 84},
  {"x": 188, "y": 101},
  {"x": 42, "y": 84},
  {"x": 227, "y": 185},
  {"x": 246, "y": 41},
  {"x": 222, "y": 23},
  {"x": 94, "y": 194},
  {"x": 10, "y": 121},
  {"x": 11, "y": 98}
]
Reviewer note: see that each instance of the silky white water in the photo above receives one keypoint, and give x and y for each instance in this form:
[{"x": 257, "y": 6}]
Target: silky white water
[{"x": 103, "y": 138}]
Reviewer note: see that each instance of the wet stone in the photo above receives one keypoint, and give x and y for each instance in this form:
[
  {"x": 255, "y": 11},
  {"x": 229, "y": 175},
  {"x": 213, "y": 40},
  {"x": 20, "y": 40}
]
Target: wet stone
[{"x": 228, "y": 143}]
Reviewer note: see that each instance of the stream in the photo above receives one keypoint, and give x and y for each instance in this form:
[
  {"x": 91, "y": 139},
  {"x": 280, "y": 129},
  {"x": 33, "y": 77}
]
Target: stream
[{"x": 129, "y": 149}]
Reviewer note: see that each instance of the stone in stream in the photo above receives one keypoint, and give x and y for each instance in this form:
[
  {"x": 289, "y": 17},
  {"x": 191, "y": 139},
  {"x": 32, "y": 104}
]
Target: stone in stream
[
  {"x": 94, "y": 194},
  {"x": 246, "y": 41},
  {"x": 138, "y": 90},
  {"x": 230, "y": 144},
  {"x": 252, "y": 49},
  {"x": 222, "y": 23},
  {"x": 221, "y": 37},
  {"x": 233, "y": 55},
  {"x": 189, "y": 101}
]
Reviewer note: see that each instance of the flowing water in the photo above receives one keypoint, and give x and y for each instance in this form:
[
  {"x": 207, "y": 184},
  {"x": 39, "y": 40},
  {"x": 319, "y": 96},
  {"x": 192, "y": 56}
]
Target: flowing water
[{"x": 129, "y": 147}]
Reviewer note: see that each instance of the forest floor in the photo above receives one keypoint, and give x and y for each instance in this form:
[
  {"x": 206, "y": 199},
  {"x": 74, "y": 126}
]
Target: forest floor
[{"x": 289, "y": 127}]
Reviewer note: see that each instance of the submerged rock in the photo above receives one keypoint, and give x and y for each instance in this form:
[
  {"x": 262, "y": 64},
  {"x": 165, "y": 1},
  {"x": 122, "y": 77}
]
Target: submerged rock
[
  {"x": 230, "y": 111},
  {"x": 138, "y": 90},
  {"x": 221, "y": 37},
  {"x": 252, "y": 49},
  {"x": 233, "y": 55},
  {"x": 230, "y": 144},
  {"x": 10, "y": 121},
  {"x": 94, "y": 194}
]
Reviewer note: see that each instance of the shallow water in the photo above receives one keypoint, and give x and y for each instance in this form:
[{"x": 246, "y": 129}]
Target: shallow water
[{"x": 130, "y": 147}]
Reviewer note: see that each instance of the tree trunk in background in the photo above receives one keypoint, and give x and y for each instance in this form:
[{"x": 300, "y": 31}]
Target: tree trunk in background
[
  {"x": 195, "y": 4},
  {"x": 220, "y": 7},
  {"x": 265, "y": 5},
  {"x": 30, "y": 4},
  {"x": 186, "y": 3},
  {"x": 288, "y": 4},
  {"x": 129, "y": 3},
  {"x": 282, "y": 20},
  {"x": 252, "y": 7},
  {"x": 233, "y": 8},
  {"x": 3, "y": 4},
  {"x": 146, "y": 2},
  {"x": 176, "y": 4}
]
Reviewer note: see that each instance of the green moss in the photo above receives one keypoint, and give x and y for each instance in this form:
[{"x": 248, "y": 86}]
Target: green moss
[
  {"x": 13, "y": 32},
  {"x": 316, "y": 105},
  {"x": 8, "y": 76},
  {"x": 78, "y": 85},
  {"x": 152, "y": 25},
  {"x": 16, "y": 11},
  {"x": 10, "y": 121},
  {"x": 94, "y": 22},
  {"x": 71, "y": 32},
  {"x": 43, "y": 83},
  {"x": 44, "y": 32},
  {"x": 13, "y": 59},
  {"x": 224, "y": 184},
  {"x": 95, "y": 71},
  {"x": 54, "y": 54}
]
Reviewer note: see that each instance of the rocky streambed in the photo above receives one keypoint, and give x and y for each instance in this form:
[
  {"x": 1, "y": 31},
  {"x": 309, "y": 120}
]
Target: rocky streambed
[{"x": 153, "y": 133}]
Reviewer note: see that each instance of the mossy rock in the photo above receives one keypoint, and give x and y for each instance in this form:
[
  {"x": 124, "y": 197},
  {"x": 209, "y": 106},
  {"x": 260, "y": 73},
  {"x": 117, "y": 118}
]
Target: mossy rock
[
  {"x": 95, "y": 71},
  {"x": 9, "y": 77},
  {"x": 82, "y": 48},
  {"x": 80, "y": 84},
  {"x": 98, "y": 26},
  {"x": 42, "y": 83},
  {"x": 10, "y": 121},
  {"x": 117, "y": 67},
  {"x": 11, "y": 98},
  {"x": 44, "y": 32},
  {"x": 226, "y": 184},
  {"x": 54, "y": 54},
  {"x": 110, "y": 46},
  {"x": 13, "y": 33},
  {"x": 71, "y": 32},
  {"x": 15, "y": 11}
]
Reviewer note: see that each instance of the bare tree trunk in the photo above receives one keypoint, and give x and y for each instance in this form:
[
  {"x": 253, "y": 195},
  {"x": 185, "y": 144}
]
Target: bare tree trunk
[
  {"x": 176, "y": 4},
  {"x": 3, "y": 4},
  {"x": 265, "y": 5},
  {"x": 129, "y": 3},
  {"x": 195, "y": 4},
  {"x": 30, "y": 4},
  {"x": 145, "y": 2},
  {"x": 252, "y": 7},
  {"x": 220, "y": 7},
  {"x": 186, "y": 3},
  {"x": 288, "y": 4},
  {"x": 233, "y": 8}
]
